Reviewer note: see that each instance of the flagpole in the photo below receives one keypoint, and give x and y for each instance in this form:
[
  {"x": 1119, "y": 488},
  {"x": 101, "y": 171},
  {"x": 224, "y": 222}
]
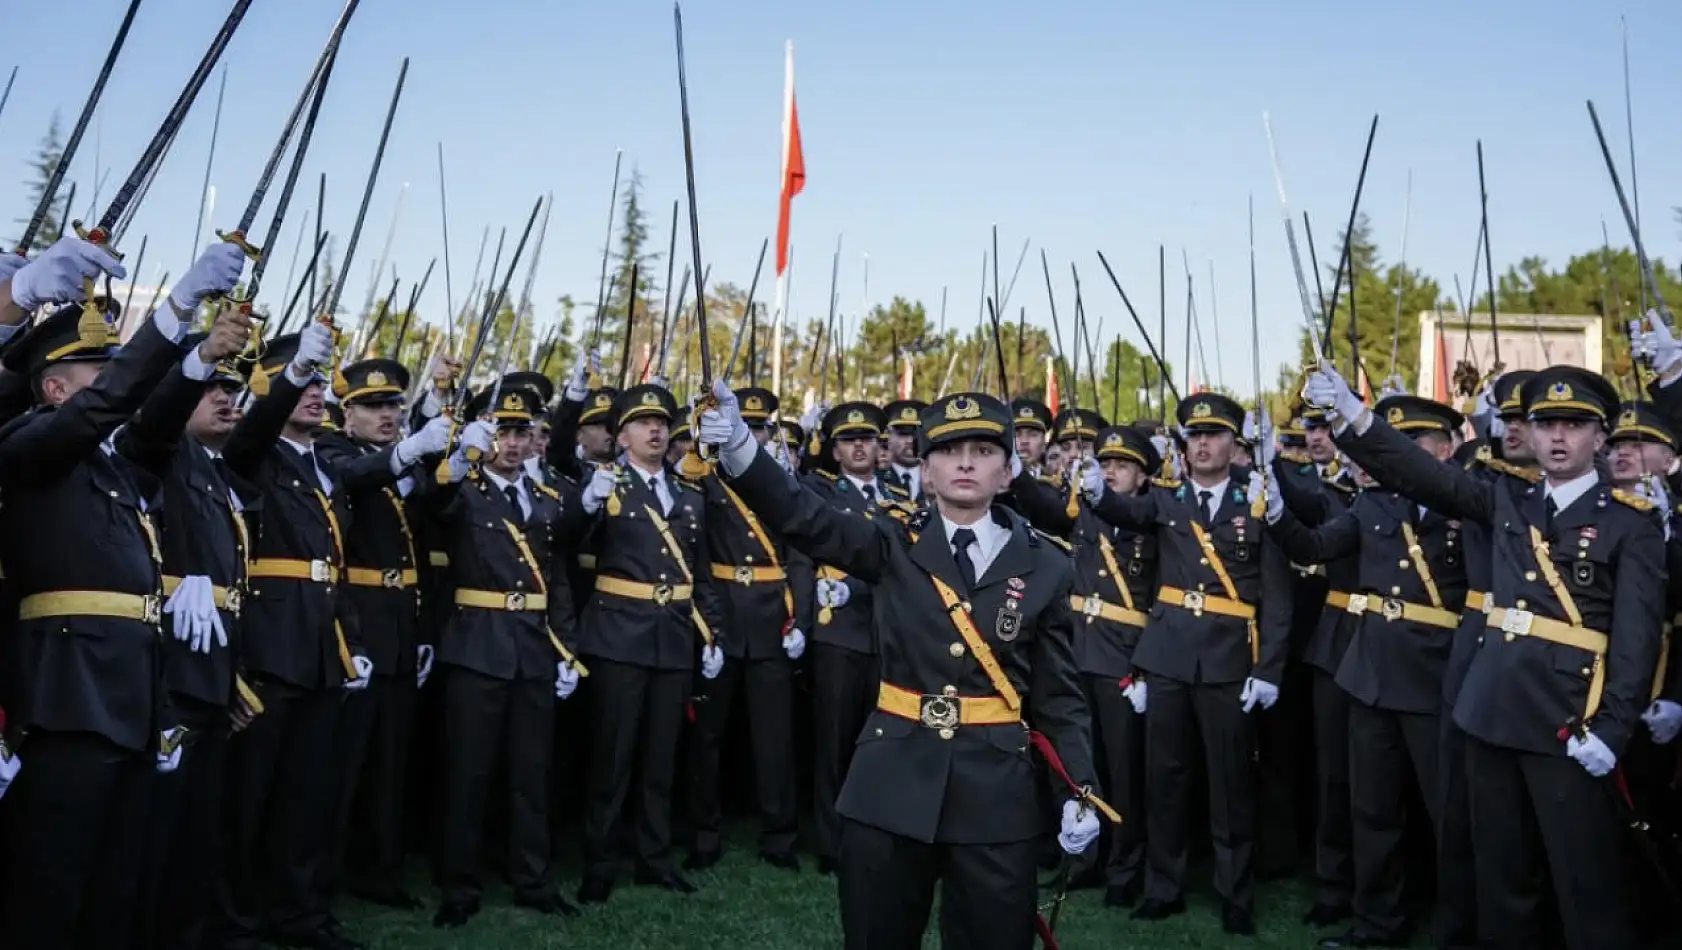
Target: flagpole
[{"x": 784, "y": 198}]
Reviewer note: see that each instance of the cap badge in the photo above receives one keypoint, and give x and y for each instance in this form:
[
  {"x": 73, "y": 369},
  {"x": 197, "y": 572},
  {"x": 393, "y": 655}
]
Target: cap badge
[
  {"x": 1629, "y": 419},
  {"x": 1202, "y": 411},
  {"x": 961, "y": 408},
  {"x": 511, "y": 403},
  {"x": 376, "y": 378},
  {"x": 754, "y": 404},
  {"x": 603, "y": 401},
  {"x": 650, "y": 399},
  {"x": 1113, "y": 441},
  {"x": 856, "y": 416},
  {"x": 1395, "y": 415},
  {"x": 1025, "y": 412},
  {"x": 1559, "y": 392},
  {"x": 909, "y": 414}
]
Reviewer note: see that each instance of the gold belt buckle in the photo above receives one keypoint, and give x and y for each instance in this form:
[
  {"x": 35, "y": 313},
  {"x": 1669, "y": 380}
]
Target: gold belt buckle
[
  {"x": 1193, "y": 601},
  {"x": 938, "y": 712},
  {"x": 152, "y": 609},
  {"x": 515, "y": 601},
  {"x": 319, "y": 572},
  {"x": 233, "y": 601},
  {"x": 1091, "y": 607},
  {"x": 1392, "y": 609},
  {"x": 1516, "y": 623},
  {"x": 744, "y": 575},
  {"x": 1357, "y": 604},
  {"x": 662, "y": 594},
  {"x": 391, "y": 578}
]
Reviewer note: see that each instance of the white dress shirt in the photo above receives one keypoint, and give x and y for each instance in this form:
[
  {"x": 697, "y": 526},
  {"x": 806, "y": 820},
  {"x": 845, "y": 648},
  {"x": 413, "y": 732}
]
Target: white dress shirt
[
  {"x": 861, "y": 483},
  {"x": 913, "y": 477},
  {"x": 655, "y": 480},
  {"x": 1215, "y": 492},
  {"x": 519, "y": 485},
  {"x": 1566, "y": 493},
  {"x": 308, "y": 451},
  {"x": 990, "y": 538}
]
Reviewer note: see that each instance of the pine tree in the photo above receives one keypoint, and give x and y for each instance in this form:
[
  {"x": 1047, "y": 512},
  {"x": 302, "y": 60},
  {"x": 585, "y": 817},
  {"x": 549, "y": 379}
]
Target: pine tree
[{"x": 47, "y": 157}]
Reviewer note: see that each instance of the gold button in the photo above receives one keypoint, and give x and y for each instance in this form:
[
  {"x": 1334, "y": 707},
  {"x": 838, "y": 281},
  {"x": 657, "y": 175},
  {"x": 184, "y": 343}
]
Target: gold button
[
  {"x": 1403, "y": 563},
  {"x": 956, "y": 649},
  {"x": 947, "y": 733},
  {"x": 662, "y": 550},
  {"x": 1586, "y": 671},
  {"x": 949, "y": 691},
  {"x": 1102, "y": 573},
  {"x": 519, "y": 585},
  {"x": 1395, "y": 592},
  {"x": 1582, "y": 542},
  {"x": 748, "y": 559},
  {"x": 1509, "y": 638},
  {"x": 113, "y": 494},
  {"x": 878, "y": 733},
  {"x": 968, "y": 608},
  {"x": 1529, "y": 575},
  {"x": 1520, "y": 605},
  {"x": 1203, "y": 561}
]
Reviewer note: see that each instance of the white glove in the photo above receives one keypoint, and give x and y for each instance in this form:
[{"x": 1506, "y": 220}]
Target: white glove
[
  {"x": 10, "y": 765},
  {"x": 1162, "y": 447},
  {"x": 423, "y": 664},
  {"x": 1266, "y": 450},
  {"x": 603, "y": 481},
  {"x": 795, "y": 643},
  {"x": 57, "y": 275},
  {"x": 432, "y": 438},
  {"x": 170, "y": 745},
  {"x": 315, "y": 348},
  {"x": 478, "y": 435},
  {"x": 712, "y": 661},
  {"x": 1591, "y": 754},
  {"x": 1328, "y": 390},
  {"x": 1080, "y": 827},
  {"x": 197, "y": 621},
  {"x": 1091, "y": 479},
  {"x": 723, "y": 427},
  {"x": 1260, "y": 486},
  {"x": 10, "y": 264},
  {"x": 1497, "y": 428},
  {"x": 1664, "y": 720},
  {"x": 1656, "y": 345},
  {"x": 1015, "y": 466},
  {"x": 578, "y": 384},
  {"x": 566, "y": 679},
  {"x": 813, "y": 417},
  {"x": 364, "y": 673},
  {"x": 1136, "y": 693},
  {"x": 1393, "y": 386},
  {"x": 1486, "y": 405},
  {"x": 1258, "y": 691},
  {"x": 214, "y": 274},
  {"x": 1651, "y": 487},
  {"x": 833, "y": 594}
]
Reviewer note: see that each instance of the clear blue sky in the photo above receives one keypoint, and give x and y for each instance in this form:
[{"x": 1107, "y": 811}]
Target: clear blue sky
[{"x": 1078, "y": 125}]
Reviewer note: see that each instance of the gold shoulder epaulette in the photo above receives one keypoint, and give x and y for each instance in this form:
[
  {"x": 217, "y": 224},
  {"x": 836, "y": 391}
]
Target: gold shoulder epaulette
[
  {"x": 1169, "y": 483},
  {"x": 831, "y": 476},
  {"x": 1505, "y": 467},
  {"x": 1052, "y": 480},
  {"x": 545, "y": 489},
  {"x": 1632, "y": 500},
  {"x": 1054, "y": 539},
  {"x": 1294, "y": 456}
]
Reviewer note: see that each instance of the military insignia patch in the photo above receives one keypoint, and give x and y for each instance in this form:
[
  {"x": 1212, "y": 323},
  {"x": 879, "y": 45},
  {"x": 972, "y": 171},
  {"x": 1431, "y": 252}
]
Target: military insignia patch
[
  {"x": 1202, "y": 411},
  {"x": 376, "y": 378},
  {"x": 649, "y": 399},
  {"x": 1560, "y": 392},
  {"x": 754, "y": 404},
  {"x": 1395, "y": 415},
  {"x": 959, "y": 409},
  {"x": 1009, "y": 624},
  {"x": 1629, "y": 419},
  {"x": 1583, "y": 573}
]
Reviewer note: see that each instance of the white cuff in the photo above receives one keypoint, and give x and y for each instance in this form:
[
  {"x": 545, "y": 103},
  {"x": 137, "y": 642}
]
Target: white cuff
[
  {"x": 297, "y": 379},
  {"x": 194, "y": 367},
  {"x": 172, "y": 327},
  {"x": 1362, "y": 422},
  {"x": 398, "y": 466},
  {"x": 430, "y": 406},
  {"x": 736, "y": 459}
]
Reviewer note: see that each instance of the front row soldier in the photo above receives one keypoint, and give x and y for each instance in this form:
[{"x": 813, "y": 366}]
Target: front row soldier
[
  {"x": 942, "y": 787},
  {"x": 1213, "y": 652},
  {"x": 1564, "y": 668}
]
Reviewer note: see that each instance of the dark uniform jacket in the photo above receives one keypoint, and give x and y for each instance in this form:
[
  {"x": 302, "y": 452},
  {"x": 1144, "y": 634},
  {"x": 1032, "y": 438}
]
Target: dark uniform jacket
[
  {"x": 381, "y": 550},
  {"x": 975, "y": 784},
  {"x": 1608, "y": 550},
  {"x": 301, "y": 632},
  {"x": 853, "y": 625},
  {"x": 757, "y": 610},
  {"x": 1211, "y": 647},
  {"x": 1317, "y": 589},
  {"x": 74, "y": 518},
  {"x": 630, "y": 547},
  {"x": 483, "y": 533}
]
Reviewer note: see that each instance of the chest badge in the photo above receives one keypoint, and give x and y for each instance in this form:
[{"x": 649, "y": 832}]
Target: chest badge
[
  {"x": 1008, "y": 626},
  {"x": 1583, "y": 573}
]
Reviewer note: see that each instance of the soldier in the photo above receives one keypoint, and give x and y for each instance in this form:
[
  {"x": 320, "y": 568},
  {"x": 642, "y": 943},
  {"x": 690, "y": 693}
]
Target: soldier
[
  {"x": 1213, "y": 652},
  {"x": 653, "y": 598},
  {"x": 1564, "y": 668},
  {"x": 302, "y": 652},
  {"x": 682, "y": 439},
  {"x": 791, "y": 436},
  {"x": 1640, "y": 444},
  {"x": 1408, "y": 598},
  {"x": 1033, "y": 423},
  {"x": 87, "y": 709},
  {"x": 378, "y": 472},
  {"x": 942, "y": 786},
  {"x": 903, "y": 468},
  {"x": 506, "y": 652},
  {"x": 751, "y": 568},
  {"x": 1075, "y": 430}
]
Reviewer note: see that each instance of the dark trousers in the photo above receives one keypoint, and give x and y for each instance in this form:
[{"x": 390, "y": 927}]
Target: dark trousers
[
  {"x": 277, "y": 801},
  {"x": 486, "y": 721},
  {"x": 1177, "y": 713},
  {"x": 769, "y": 688},
  {"x": 184, "y": 835},
  {"x": 351, "y": 730},
  {"x": 1536, "y": 817},
  {"x": 373, "y": 846},
  {"x": 1334, "y": 866},
  {"x": 1387, "y": 752},
  {"x": 844, "y": 688},
  {"x": 1118, "y": 743},
  {"x": 1457, "y": 878},
  {"x": 638, "y": 719},
  {"x": 76, "y": 823},
  {"x": 887, "y": 885},
  {"x": 1283, "y": 734}
]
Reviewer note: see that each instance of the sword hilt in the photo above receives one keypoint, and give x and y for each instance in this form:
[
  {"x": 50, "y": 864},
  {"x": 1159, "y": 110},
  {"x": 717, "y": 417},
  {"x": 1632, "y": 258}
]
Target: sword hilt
[{"x": 237, "y": 238}]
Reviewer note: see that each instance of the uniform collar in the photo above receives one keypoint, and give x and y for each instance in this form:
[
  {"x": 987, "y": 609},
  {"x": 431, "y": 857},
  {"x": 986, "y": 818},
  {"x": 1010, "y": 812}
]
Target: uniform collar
[{"x": 1568, "y": 492}]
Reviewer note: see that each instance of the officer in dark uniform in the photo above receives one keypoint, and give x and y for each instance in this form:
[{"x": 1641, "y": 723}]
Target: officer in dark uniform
[
  {"x": 1033, "y": 428},
  {"x": 904, "y": 423},
  {"x": 506, "y": 653},
  {"x": 1115, "y": 586},
  {"x": 845, "y": 665},
  {"x": 1409, "y": 595},
  {"x": 978, "y": 644},
  {"x": 87, "y": 709},
  {"x": 653, "y": 599},
  {"x": 538, "y": 465},
  {"x": 1566, "y": 662},
  {"x": 302, "y": 652},
  {"x": 793, "y": 436},
  {"x": 1213, "y": 652},
  {"x": 682, "y": 440},
  {"x": 1076, "y": 430}
]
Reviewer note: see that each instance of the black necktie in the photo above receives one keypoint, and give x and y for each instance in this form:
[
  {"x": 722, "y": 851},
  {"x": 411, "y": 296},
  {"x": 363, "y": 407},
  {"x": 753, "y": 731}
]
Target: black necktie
[
  {"x": 513, "y": 494},
  {"x": 1203, "y": 513},
  {"x": 869, "y": 492},
  {"x": 1551, "y": 508},
  {"x": 961, "y": 541}
]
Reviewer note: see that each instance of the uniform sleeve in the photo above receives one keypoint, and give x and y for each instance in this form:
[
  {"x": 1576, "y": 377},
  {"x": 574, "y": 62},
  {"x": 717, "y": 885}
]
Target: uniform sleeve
[
  {"x": 855, "y": 545},
  {"x": 709, "y": 600},
  {"x": 1274, "y": 622},
  {"x": 563, "y": 439},
  {"x": 1400, "y": 466},
  {"x": 1057, "y": 705},
  {"x": 802, "y": 580},
  {"x": 1137, "y": 512},
  {"x": 1338, "y": 538},
  {"x": 1045, "y": 507},
  {"x": 356, "y": 470},
  {"x": 1633, "y": 642},
  {"x": 1307, "y": 498},
  {"x": 563, "y": 615},
  {"x": 152, "y": 438},
  {"x": 248, "y": 445}
]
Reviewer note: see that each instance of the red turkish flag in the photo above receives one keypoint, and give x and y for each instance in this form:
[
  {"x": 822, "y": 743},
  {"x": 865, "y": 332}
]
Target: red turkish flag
[{"x": 794, "y": 165}]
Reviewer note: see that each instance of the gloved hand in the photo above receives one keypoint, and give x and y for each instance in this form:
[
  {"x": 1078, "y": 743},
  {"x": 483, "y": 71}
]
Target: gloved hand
[
  {"x": 1664, "y": 721},
  {"x": 1091, "y": 479},
  {"x": 795, "y": 643},
  {"x": 423, "y": 664},
  {"x": 197, "y": 621},
  {"x": 723, "y": 427},
  {"x": 478, "y": 435},
  {"x": 170, "y": 744},
  {"x": 1486, "y": 404},
  {"x": 566, "y": 679},
  {"x": 812, "y": 418},
  {"x": 833, "y": 594},
  {"x": 214, "y": 274},
  {"x": 1651, "y": 487},
  {"x": 1015, "y": 465},
  {"x": 10, "y": 764},
  {"x": 10, "y": 264},
  {"x": 1327, "y": 389},
  {"x": 1266, "y": 449},
  {"x": 57, "y": 275},
  {"x": 1163, "y": 448},
  {"x": 1080, "y": 827},
  {"x": 1591, "y": 754},
  {"x": 1258, "y": 691},
  {"x": 578, "y": 384},
  {"x": 1260, "y": 486},
  {"x": 603, "y": 481},
  {"x": 1393, "y": 386},
  {"x": 1137, "y": 693},
  {"x": 315, "y": 348},
  {"x": 712, "y": 661},
  {"x": 1657, "y": 345},
  {"x": 432, "y": 438},
  {"x": 364, "y": 673}
]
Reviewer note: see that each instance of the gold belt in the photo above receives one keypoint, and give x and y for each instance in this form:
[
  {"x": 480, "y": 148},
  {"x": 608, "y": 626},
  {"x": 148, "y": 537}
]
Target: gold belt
[
  {"x": 1515, "y": 623},
  {"x": 747, "y": 574},
  {"x": 517, "y": 601},
  {"x": 292, "y": 569},
  {"x": 1393, "y": 609},
  {"x": 225, "y": 598},
  {"x": 438, "y": 558},
  {"x": 661, "y": 594},
  {"x": 946, "y": 711},
  {"x": 1094, "y": 608},
  {"x": 146, "y": 608},
  {"x": 1337, "y": 599},
  {"x": 1200, "y": 603},
  {"x": 392, "y": 578},
  {"x": 1477, "y": 600},
  {"x": 587, "y": 562}
]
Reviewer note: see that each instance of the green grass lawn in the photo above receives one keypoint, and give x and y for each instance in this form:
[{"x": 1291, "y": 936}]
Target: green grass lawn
[{"x": 746, "y": 905}]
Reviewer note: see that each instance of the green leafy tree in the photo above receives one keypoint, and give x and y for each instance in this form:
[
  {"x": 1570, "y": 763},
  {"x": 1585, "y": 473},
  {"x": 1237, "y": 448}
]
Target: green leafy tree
[{"x": 47, "y": 156}]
